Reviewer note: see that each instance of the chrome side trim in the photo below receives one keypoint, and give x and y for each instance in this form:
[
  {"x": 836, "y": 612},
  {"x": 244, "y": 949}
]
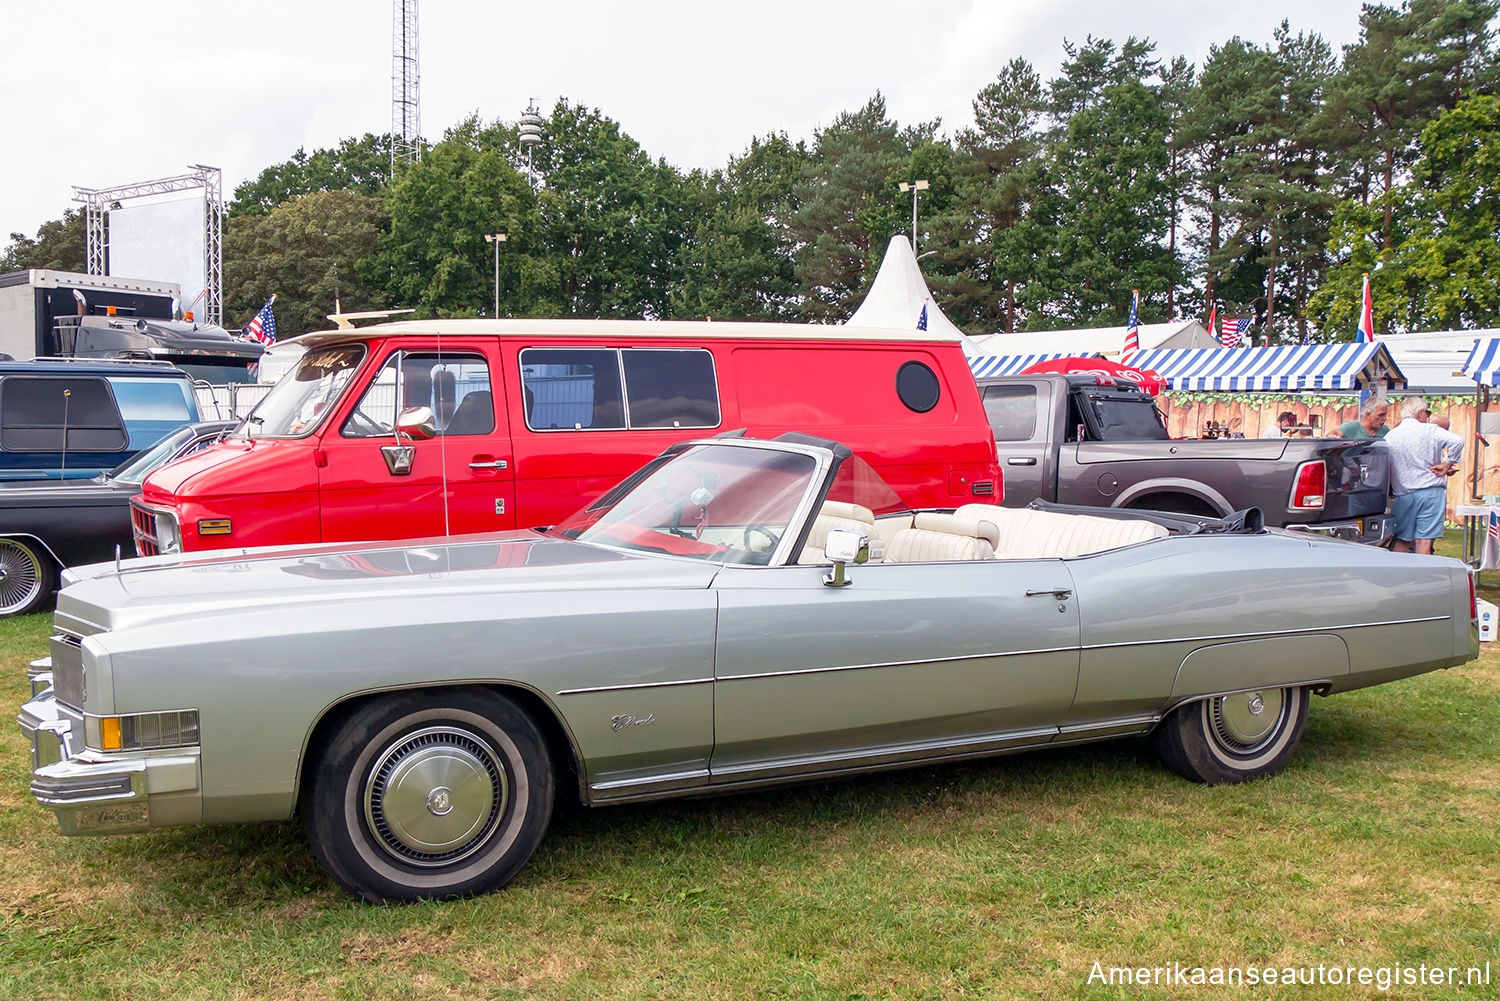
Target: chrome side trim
[
  {"x": 696, "y": 777},
  {"x": 644, "y": 684},
  {"x": 898, "y": 663},
  {"x": 1230, "y": 637},
  {"x": 891, "y": 754},
  {"x": 1107, "y": 728}
]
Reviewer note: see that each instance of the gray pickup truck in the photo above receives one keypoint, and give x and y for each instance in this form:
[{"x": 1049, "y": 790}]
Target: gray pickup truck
[{"x": 1084, "y": 439}]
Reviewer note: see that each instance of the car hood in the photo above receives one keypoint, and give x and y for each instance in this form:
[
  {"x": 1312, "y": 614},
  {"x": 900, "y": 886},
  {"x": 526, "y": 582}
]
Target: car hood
[
  {"x": 258, "y": 581},
  {"x": 63, "y": 493},
  {"x": 172, "y": 478}
]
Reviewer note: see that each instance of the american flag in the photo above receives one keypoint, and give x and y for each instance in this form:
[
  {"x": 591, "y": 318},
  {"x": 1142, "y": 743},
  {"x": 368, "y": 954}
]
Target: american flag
[
  {"x": 263, "y": 327},
  {"x": 1133, "y": 328},
  {"x": 1232, "y": 331},
  {"x": 922, "y": 320},
  {"x": 1365, "y": 332},
  {"x": 1494, "y": 532}
]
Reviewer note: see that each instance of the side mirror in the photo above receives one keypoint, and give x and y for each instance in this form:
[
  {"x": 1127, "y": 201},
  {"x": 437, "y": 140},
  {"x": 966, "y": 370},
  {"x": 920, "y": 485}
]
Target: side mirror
[
  {"x": 416, "y": 423},
  {"x": 844, "y": 547}
]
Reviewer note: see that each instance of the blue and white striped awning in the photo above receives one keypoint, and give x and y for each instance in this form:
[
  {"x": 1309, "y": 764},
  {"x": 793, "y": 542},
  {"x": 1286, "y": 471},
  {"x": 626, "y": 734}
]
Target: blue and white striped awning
[
  {"x": 1343, "y": 366},
  {"x": 1483, "y": 364},
  {"x": 984, "y": 366}
]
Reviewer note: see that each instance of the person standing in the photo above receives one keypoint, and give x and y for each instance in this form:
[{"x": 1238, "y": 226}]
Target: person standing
[
  {"x": 1423, "y": 455},
  {"x": 1285, "y": 422},
  {"x": 1370, "y": 423}
]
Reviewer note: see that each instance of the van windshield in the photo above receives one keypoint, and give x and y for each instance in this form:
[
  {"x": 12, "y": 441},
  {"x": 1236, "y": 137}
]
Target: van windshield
[{"x": 301, "y": 398}]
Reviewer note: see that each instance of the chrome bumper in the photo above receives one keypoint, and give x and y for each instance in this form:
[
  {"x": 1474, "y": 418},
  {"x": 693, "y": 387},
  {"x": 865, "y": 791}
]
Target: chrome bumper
[
  {"x": 96, "y": 793},
  {"x": 1372, "y": 530}
]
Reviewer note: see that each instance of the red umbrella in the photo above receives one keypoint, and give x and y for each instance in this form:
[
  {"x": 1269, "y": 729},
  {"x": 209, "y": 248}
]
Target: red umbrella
[{"x": 1146, "y": 378}]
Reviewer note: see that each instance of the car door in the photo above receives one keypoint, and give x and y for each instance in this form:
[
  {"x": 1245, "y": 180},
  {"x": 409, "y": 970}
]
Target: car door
[
  {"x": 1020, "y": 414},
  {"x": 909, "y": 661},
  {"x": 374, "y": 486}
]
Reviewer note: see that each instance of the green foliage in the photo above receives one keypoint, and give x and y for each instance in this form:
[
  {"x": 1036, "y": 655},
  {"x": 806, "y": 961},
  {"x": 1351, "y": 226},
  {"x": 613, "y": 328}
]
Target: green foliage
[
  {"x": 362, "y": 165},
  {"x": 310, "y": 252},
  {"x": 59, "y": 245}
]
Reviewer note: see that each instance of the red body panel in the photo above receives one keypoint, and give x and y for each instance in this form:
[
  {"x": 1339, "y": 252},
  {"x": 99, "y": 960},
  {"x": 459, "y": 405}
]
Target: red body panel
[{"x": 324, "y": 487}]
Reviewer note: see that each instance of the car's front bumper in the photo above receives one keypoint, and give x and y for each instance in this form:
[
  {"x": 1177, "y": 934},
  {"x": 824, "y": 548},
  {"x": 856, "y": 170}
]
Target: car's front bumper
[{"x": 93, "y": 792}]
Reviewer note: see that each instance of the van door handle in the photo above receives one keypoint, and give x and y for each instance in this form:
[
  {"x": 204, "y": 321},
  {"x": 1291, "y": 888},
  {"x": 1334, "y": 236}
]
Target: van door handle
[
  {"x": 1060, "y": 593},
  {"x": 1021, "y": 460},
  {"x": 497, "y": 464}
]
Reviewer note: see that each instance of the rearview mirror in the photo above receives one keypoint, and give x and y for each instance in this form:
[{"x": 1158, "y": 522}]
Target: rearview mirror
[
  {"x": 417, "y": 423},
  {"x": 844, "y": 546}
]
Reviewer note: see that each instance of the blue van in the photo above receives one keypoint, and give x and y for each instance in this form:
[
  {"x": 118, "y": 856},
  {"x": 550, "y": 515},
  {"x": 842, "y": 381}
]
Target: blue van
[{"x": 63, "y": 418}]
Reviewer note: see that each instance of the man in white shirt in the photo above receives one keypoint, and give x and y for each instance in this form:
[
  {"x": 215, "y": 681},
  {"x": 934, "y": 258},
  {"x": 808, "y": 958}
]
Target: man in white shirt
[
  {"x": 1423, "y": 455},
  {"x": 1285, "y": 422}
]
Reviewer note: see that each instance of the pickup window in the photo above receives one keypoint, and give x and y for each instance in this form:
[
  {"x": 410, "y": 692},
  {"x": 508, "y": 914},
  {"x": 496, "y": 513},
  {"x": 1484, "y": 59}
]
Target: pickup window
[
  {"x": 1123, "y": 417},
  {"x": 1011, "y": 411}
]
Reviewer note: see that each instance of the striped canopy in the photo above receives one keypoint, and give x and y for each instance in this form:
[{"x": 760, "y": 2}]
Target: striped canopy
[
  {"x": 1483, "y": 364},
  {"x": 984, "y": 366},
  {"x": 1343, "y": 366}
]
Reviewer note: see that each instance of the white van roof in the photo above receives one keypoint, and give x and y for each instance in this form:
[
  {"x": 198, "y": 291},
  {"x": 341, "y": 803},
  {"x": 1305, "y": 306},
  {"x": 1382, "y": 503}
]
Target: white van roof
[{"x": 693, "y": 330}]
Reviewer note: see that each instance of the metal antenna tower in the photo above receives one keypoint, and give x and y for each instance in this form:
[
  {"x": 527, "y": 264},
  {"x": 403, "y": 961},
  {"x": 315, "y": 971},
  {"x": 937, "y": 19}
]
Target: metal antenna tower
[{"x": 406, "y": 111}]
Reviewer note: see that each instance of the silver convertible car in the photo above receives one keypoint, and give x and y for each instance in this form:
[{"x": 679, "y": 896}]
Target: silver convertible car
[{"x": 737, "y": 614}]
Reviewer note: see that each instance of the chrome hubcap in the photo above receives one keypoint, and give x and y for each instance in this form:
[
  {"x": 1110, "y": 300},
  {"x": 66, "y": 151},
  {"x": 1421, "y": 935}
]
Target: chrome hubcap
[
  {"x": 435, "y": 796},
  {"x": 20, "y": 577},
  {"x": 1247, "y": 721}
]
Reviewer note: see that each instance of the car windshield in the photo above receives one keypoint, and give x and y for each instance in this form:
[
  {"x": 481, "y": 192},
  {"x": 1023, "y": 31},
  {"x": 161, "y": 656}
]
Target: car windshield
[
  {"x": 717, "y": 502},
  {"x": 138, "y": 467},
  {"x": 298, "y": 401}
]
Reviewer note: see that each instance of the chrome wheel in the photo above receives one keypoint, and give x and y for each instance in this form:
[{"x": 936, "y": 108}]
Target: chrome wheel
[
  {"x": 435, "y": 796},
  {"x": 1244, "y": 723},
  {"x": 23, "y": 577}
]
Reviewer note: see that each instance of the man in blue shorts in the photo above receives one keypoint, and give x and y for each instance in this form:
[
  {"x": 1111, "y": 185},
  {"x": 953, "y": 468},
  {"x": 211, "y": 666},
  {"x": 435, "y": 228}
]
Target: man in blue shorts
[{"x": 1423, "y": 455}]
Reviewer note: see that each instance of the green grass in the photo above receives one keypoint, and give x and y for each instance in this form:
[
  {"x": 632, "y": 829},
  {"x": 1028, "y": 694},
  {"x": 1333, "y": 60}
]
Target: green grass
[{"x": 1380, "y": 844}]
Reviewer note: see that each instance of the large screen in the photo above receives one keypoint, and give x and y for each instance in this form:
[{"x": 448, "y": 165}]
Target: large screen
[{"x": 161, "y": 241}]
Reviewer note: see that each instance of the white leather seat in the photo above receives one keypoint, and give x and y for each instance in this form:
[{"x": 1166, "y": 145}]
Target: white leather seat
[
  {"x": 917, "y": 545},
  {"x": 1026, "y": 534},
  {"x": 835, "y": 515}
]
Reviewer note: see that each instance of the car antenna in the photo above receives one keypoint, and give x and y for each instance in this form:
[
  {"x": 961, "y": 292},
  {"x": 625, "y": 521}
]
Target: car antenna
[{"x": 62, "y": 473}]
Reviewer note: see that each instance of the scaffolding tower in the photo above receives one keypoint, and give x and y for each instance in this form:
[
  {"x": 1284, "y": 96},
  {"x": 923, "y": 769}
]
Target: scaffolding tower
[
  {"x": 406, "y": 111},
  {"x": 210, "y": 180}
]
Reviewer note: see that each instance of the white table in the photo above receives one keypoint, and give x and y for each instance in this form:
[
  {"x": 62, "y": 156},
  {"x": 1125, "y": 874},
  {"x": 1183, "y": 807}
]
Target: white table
[{"x": 1480, "y": 551}]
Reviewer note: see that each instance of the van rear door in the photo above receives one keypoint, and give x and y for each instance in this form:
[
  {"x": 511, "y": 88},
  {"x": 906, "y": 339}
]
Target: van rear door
[{"x": 376, "y": 486}]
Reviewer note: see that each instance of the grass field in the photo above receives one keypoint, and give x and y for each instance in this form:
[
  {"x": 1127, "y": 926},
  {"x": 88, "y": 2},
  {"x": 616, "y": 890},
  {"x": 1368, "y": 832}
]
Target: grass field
[{"x": 1378, "y": 846}]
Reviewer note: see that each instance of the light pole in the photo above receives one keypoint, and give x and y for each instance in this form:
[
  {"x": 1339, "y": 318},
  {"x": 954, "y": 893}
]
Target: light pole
[
  {"x": 913, "y": 187},
  {"x": 496, "y": 239}
]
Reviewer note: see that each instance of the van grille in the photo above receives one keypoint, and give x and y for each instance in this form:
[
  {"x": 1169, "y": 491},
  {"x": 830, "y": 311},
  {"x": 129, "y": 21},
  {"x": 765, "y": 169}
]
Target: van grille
[{"x": 143, "y": 529}]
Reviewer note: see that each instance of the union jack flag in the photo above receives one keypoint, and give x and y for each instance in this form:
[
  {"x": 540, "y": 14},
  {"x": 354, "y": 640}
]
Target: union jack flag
[
  {"x": 1232, "y": 331},
  {"x": 263, "y": 327},
  {"x": 1133, "y": 328}
]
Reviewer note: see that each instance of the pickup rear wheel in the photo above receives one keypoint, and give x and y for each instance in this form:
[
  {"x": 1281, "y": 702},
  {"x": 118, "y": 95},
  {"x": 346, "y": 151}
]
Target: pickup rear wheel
[
  {"x": 430, "y": 795},
  {"x": 1232, "y": 738},
  {"x": 26, "y": 576}
]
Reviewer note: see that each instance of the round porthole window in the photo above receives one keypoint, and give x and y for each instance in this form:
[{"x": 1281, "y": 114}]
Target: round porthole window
[{"x": 917, "y": 385}]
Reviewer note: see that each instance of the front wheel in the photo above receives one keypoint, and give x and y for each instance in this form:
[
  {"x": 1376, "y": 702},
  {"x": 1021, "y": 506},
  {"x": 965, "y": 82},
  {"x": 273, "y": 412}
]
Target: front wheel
[
  {"x": 26, "y": 576},
  {"x": 1232, "y": 738},
  {"x": 430, "y": 795}
]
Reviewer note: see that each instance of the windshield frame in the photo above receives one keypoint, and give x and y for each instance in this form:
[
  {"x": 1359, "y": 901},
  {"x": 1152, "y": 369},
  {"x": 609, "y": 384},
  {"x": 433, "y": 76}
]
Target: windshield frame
[
  {"x": 286, "y": 391},
  {"x": 819, "y": 479}
]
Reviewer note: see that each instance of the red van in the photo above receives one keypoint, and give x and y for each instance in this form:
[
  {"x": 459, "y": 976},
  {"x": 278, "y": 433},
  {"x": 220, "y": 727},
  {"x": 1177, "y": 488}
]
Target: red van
[{"x": 533, "y": 418}]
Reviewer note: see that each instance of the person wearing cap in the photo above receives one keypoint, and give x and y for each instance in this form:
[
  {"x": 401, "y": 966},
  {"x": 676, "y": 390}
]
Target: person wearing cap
[{"x": 1423, "y": 455}]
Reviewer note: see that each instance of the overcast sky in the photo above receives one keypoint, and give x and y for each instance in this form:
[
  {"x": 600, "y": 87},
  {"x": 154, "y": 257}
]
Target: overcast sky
[{"x": 98, "y": 93}]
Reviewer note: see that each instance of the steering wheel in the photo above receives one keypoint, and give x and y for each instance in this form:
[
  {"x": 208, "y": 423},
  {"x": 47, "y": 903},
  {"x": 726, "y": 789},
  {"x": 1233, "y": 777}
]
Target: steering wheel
[
  {"x": 761, "y": 530},
  {"x": 365, "y": 427}
]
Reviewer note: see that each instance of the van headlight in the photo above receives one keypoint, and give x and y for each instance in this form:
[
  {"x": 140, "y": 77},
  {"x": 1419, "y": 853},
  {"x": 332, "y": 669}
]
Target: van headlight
[{"x": 168, "y": 538}]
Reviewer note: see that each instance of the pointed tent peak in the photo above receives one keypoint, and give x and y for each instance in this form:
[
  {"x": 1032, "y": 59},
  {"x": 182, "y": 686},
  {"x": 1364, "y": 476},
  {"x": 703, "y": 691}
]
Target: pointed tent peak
[{"x": 898, "y": 294}]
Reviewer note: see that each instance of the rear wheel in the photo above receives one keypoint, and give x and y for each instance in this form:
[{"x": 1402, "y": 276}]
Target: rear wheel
[
  {"x": 430, "y": 795},
  {"x": 1232, "y": 738},
  {"x": 26, "y": 576}
]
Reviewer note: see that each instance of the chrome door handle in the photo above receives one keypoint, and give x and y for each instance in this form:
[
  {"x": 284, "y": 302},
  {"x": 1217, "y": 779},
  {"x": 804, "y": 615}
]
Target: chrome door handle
[
  {"x": 1021, "y": 460},
  {"x": 1060, "y": 593},
  {"x": 497, "y": 464}
]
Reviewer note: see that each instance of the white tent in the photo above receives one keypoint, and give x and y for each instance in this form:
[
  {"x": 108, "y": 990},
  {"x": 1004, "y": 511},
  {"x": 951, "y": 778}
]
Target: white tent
[
  {"x": 1433, "y": 360},
  {"x": 898, "y": 295},
  {"x": 1106, "y": 341}
]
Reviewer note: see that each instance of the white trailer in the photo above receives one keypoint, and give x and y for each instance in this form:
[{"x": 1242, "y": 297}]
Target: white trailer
[{"x": 32, "y": 301}]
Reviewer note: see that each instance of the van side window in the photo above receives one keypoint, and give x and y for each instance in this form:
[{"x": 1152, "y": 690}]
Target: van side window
[
  {"x": 455, "y": 386},
  {"x": 671, "y": 389},
  {"x": 152, "y": 408},
  {"x": 34, "y": 412},
  {"x": 572, "y": 389},
  {"x": 1011, "y": 411}
]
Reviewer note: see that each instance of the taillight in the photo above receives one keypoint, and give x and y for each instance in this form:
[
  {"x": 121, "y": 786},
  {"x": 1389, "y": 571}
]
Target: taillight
[
  {"x": 1310, "y": 487},
  {"x": 1473, "y": 601}
]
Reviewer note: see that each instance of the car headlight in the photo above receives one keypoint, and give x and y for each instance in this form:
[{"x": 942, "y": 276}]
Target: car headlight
[{"x": 168, "y": 538}]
